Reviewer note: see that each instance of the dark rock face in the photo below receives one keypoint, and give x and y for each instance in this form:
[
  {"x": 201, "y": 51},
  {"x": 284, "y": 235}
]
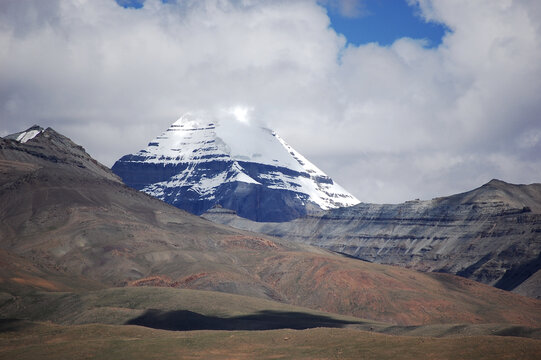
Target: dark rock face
[
  {"x": 491, "y": 234},
  {"x": 255, "y": 201}
]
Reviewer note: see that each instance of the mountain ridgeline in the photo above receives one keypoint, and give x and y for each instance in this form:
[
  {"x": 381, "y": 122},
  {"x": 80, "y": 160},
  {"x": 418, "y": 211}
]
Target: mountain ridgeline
[
  {"x": 491, "y": 234},
  {"x": 68, "y": 224},
  {"x": 201, "y": 162},
  {"x": 224, "y": 169}
]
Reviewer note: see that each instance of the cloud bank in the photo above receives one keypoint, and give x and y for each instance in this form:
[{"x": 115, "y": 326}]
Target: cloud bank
[{"x": 388, "y": 123}]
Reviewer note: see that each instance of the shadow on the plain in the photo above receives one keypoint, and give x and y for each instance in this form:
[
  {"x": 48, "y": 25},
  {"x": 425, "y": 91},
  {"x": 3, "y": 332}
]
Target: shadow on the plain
[{"x": 184, "y": 320}]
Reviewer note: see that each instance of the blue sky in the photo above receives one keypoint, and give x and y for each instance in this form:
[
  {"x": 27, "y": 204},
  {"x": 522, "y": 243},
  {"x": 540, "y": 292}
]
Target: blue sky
[
  {"x": 384, "y": 21},
  {"x": 380, "y": 21}
]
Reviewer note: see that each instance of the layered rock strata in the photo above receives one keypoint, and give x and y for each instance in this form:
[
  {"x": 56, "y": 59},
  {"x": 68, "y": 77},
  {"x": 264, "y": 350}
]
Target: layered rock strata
[{"x": 491, "y": 234}]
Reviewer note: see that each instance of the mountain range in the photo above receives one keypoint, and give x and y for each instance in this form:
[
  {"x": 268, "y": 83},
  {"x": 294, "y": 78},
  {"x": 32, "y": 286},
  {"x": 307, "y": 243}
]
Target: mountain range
[
  {"x": 77, "y": 246},
  {"x": 491, "y": 234},
  {"x": 222, "y": 167}
]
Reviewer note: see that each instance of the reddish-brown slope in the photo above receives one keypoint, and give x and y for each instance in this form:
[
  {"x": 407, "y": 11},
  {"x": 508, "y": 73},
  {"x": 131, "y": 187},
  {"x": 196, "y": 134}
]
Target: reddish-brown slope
[
  {"x": 59, "y": 211},
  {"x": 393, "y": 294},
  {"x": 19, "y": 275}
]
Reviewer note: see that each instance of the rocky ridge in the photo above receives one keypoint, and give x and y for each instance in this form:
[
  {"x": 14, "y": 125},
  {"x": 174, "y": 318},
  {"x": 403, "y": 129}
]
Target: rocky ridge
[
  {"x": 68, "y": 224},
  {"x": 491, "y": 234}
]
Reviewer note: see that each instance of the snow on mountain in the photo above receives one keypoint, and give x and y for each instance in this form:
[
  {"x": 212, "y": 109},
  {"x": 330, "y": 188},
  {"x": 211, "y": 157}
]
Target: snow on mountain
[
  {"x": 26, "y": 135},
  {"x": 201, "y": 161}
]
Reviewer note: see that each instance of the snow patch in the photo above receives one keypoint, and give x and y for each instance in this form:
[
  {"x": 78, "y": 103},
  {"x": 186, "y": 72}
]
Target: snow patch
[{"x": 27, "y": 135}]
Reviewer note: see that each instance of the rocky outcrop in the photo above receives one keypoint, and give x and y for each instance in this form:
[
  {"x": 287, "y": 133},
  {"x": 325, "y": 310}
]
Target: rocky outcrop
[
  {"x": 491, "y": 234},
  {"x": 37, "y": 148}
]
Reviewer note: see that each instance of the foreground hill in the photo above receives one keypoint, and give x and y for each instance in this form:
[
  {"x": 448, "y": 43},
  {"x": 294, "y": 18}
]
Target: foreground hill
[
  {"x": 491, "y": 234},
  {"x": 68, "y": 215},
  {"x": 187, "y": 310},
  {"x": 195, "y": 322}
]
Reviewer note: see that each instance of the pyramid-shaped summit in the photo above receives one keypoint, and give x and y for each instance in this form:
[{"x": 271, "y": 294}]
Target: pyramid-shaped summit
[{"x": 201, "y": 162}]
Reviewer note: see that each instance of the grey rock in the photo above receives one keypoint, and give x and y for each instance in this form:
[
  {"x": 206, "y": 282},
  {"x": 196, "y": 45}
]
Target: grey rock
[{"x": 491, "y": 234}]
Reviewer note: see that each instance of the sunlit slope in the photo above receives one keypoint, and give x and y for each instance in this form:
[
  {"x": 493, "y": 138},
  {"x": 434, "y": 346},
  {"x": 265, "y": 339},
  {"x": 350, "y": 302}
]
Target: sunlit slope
[{"x": 65, "y": 213}]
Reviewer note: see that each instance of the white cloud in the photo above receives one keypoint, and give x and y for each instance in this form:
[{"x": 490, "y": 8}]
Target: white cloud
[
  {"x": 346, "y": 8},
  {"x": 388, "y": 123}
]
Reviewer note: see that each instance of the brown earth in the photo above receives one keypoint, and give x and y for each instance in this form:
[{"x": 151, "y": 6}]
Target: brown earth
[
  {"x": 62, "y": 211},
  {"x": 46, "y": 341},
  {"x": 491, "y": 234}
]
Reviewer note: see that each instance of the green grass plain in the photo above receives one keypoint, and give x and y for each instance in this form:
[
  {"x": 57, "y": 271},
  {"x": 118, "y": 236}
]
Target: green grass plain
[
  {"x": 49, "y": 341},
  {"x": 96, "y": 325}
]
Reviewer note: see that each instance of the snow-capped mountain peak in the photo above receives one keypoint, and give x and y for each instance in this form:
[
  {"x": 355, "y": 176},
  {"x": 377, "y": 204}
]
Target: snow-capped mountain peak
[
  {"x": 204, "y": 161},
  {"x": 26, "y": 135}
]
